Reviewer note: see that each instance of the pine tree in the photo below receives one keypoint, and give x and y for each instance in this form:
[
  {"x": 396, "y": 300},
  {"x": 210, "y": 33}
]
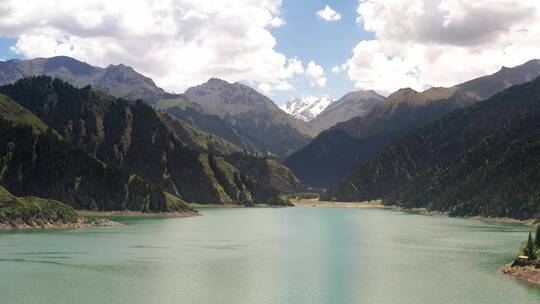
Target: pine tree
[
  {"x": 530, "y": 248},
  {"x": 537, "y": 238}
]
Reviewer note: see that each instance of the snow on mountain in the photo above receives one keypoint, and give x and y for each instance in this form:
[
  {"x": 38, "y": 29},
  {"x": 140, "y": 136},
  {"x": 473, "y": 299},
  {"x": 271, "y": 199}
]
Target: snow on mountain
[{"x": 306, "y": 107}]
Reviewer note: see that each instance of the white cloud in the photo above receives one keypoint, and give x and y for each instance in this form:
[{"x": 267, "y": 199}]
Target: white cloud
[
  {"x": 266, "y": 88},
  {"x": 283, "y": 86},
  {"x": 179, "y": 43},
  {"x": 422, "y": 43},
  {"x": 339, "y": 68},
  {"x": 316, "y": 74},
  {"x": 277, "y": 22},
  {"x": 328, "y": 14}
]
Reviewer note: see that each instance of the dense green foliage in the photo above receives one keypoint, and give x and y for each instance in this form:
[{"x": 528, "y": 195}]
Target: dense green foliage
[
  {"x": 482, "y": 160},
  {"x": 531, "y": 253},
  {"x": 41, "y": 164},
  {"x": 537, "y": 237}
]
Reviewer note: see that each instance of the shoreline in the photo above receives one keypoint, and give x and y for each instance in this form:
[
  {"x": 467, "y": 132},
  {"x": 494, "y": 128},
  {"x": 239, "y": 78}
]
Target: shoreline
[
  {"x": 100, "y": 220},
  {"x": 314, "y": 202},
  {"x": 377, "y": 204},
  {"x": 527, "y": 274},
  {"x": 85, "y": 213},
  {"x": 220, "y": 206}
]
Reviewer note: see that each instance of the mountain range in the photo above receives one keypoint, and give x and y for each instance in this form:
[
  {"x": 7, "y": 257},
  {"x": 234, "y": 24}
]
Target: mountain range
[
  {"x": 116, "y": 80},
  {"x": 99, "y": 152},
  {"x": 343, "y": 147},
  {"x": 110, "y": 139},
  {"x": 248, "y": 115},
  {"x": 481, "y": 160}
]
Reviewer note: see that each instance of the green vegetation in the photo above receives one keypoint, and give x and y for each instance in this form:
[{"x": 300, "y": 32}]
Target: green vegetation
[
  {"x": 33, "y": 211},
  {"x": 305, "y": 195},
  {"x": 530, "y": 248},
  {"x": 482, "y": 160},
  {"x": 537, "y": 237},
  {"x": 113, "y": 154},
  {"x": 176, "y": 204},
  {"x": 15, "y": 113}
]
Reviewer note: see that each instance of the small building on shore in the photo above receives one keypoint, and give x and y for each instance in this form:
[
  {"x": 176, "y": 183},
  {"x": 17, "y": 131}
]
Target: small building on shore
[{"x": 523, "y": 260}]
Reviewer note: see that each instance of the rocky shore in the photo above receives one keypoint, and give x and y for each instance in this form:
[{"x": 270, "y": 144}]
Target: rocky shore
[
  {"x": 528, "y": 274},
  {"x": 80, "y": 223},
  {"x": 137, "y": 213}
]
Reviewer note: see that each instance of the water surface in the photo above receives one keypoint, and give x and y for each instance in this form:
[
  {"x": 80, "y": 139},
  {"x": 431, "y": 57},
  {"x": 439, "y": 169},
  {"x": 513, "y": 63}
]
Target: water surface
[{"x": 291, "y": 255}]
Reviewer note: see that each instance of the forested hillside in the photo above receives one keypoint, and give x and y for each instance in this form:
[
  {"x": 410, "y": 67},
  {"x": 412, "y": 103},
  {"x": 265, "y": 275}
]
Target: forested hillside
[{"x": 483, "y": 160}]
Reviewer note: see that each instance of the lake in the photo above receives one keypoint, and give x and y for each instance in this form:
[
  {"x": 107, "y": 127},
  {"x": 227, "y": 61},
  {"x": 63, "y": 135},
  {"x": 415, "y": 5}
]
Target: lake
[{"x": 289, "y": 255}]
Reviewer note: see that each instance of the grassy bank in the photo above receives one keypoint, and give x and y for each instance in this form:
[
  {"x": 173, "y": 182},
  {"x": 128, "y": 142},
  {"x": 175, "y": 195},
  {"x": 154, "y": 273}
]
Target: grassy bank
[{"x": 33, "y": 212}]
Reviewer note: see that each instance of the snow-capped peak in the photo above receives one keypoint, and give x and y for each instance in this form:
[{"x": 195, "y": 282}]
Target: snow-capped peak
[{"x": 306, "y": 107}]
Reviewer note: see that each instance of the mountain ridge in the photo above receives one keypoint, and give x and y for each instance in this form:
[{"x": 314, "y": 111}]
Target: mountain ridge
[
  {"x": 260, "y": 120},
  {"x": 404, "y": 110}
]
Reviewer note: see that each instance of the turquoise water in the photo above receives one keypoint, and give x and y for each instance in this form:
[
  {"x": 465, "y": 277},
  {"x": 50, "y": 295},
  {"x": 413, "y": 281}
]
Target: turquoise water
[{"x": 291, "y": 255}]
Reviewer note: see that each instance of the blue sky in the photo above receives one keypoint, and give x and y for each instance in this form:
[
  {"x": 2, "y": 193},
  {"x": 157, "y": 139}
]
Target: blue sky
[
  {"x": 5, "y": 52},
  {"x": 308, "y": 37}
]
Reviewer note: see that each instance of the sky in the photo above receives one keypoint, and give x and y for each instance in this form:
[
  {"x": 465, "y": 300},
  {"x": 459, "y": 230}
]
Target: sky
[{"x": 283, "y": 48}]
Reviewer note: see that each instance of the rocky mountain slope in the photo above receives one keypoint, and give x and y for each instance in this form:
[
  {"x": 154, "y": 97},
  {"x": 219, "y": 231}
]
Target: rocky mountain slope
[
  {"x": 255, "y": 116},
  {"x": 116, "y": 80},
  {"x": 401, "y": 112},
  {"x": 482, "y": 160},
  {"x": 306, "y": 107}
]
